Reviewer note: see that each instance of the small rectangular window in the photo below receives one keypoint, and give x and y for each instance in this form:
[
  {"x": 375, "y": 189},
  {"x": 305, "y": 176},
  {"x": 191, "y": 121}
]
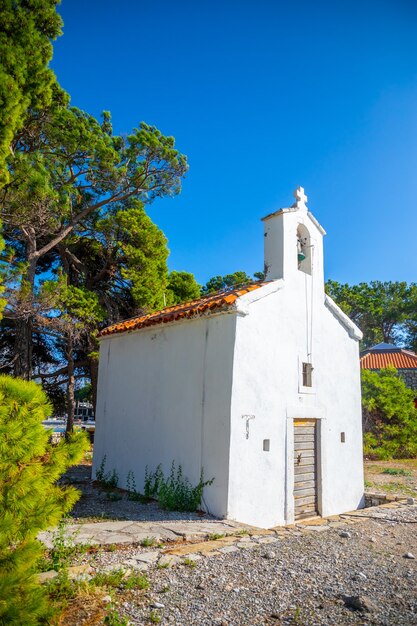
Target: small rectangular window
[{"x": 307, "y": 375}]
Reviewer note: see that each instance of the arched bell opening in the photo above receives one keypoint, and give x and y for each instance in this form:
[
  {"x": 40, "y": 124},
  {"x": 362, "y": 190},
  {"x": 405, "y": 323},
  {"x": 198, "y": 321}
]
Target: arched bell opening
[{"x": 304, "y": 249}]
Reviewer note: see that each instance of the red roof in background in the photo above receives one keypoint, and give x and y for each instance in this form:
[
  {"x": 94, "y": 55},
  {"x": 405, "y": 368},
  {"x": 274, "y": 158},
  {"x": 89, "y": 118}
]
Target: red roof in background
[
  {"x": 400, "y": 359},
  {"x": 212, "y": 302}
]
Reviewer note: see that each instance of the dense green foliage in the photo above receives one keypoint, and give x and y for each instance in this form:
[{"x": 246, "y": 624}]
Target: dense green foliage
[
  {"x": 384, "y": 311},
  {"x": 218, "y": 283},
  {"x": 389, "y": 415},
  {"x": 26, "y": 82},
  {"x": 30, "y": 499},
  {"x": 182, "y": 287},
  {"x": 73, "y": 208}
]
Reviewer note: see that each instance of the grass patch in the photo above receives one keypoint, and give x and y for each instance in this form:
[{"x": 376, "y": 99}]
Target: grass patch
[
  {"x": 190, "y": 562},
  {"x": 62, "y": 588},
  {"x": 63, "y": 550},
  {"x": 101, "y": 517},
  {"x": 111, "y": 547},
  {"x": 393, "y": 471},
  {"x": 117, "y": 579},
  {"x": 136, "y": 581},
  {"x": 398, "y": 488},
  {"x": 154, "y": 617},
  {"x": 114, "y": 619},
  {"x": 148, "y": 542},
  {"x": 215, "y": 536}
]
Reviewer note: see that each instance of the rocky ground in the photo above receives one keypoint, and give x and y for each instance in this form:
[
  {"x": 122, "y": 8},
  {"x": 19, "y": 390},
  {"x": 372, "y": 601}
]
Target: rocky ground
[{"x": 349, "y": 570}]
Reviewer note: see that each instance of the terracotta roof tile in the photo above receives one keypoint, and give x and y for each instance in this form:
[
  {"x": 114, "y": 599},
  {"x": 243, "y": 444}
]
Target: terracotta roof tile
[
  {"x": 212, "y": 302},
  {"x": 400, "y": 359}
]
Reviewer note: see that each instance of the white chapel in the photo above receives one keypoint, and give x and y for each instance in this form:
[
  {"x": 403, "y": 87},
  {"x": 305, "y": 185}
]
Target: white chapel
[{"x": 258, "y": 385}]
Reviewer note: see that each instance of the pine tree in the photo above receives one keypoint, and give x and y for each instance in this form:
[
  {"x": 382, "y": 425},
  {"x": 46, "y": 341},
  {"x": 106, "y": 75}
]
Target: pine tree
[
  {"x": 182, "y": 287},
  {"x": 218, "y": 283},
  {"x": 26, "y": 81},
  {"x": 30, "y": 499}
]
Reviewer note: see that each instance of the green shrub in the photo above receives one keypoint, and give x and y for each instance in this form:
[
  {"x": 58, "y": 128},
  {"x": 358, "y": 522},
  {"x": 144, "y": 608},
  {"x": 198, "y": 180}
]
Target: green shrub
[
  {"x": 132, "y": 493},
  {"x": 152, "y": 482},
  {"x": 108, "y": 480},
  {"x": 62, "y": 588},
  {"x": 389, "y": 416},
  {"x": 63, "y": 548},
  {"x": 30, "y": 499},
  {"x": 175, "y": 493}
]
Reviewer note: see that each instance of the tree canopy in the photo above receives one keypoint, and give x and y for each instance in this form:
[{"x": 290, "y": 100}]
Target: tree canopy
[
  {"x": 26, "y": 81},
  {"x": 81, "y": 251},
  {"x": 218, "y": 283},
  {"x": 384, "y": 311},
  {"x": 182, "y": 287},
  {"x": 71, "y": 179}
]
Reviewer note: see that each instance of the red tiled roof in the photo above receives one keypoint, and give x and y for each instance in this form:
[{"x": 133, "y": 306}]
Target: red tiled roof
[
  {"x": 400, "y": 359},
  {"x": 212, "y": 302}
]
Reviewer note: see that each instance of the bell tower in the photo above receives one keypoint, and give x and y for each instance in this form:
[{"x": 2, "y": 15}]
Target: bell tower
[{"x": 293, "y": 243}]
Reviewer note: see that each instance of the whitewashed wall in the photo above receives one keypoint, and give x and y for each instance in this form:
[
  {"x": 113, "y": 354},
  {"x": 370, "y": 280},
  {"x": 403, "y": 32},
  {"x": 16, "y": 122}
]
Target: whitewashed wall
[
  {"x": 164, "y": 395},
  {"x": 272, "y": 341}
]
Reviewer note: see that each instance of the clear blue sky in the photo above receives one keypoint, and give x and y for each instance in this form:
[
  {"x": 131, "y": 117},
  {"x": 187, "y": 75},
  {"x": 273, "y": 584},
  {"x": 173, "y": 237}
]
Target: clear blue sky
[{"x": 262, "y": 96}]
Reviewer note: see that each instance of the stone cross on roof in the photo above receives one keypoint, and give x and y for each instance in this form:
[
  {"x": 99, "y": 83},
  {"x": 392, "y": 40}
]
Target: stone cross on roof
[{"x": 300, "y": 198}]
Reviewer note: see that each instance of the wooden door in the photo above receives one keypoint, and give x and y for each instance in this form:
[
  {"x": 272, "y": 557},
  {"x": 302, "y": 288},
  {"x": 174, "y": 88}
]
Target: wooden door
[{"x": 305, "y": 468}]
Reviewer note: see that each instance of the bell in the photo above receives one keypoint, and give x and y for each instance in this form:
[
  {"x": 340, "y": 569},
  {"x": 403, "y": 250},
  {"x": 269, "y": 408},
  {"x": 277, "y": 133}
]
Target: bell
[{"x": 300, "y": 251}]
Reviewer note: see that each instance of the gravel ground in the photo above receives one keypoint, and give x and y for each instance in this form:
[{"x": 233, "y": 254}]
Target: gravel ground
[{"x": 300, "y": 577}]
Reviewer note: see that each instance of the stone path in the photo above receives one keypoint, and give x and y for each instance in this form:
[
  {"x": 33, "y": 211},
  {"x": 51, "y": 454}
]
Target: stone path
[
  {"x": 127, "y": 532},
  {"x": 136, "y": 532}
]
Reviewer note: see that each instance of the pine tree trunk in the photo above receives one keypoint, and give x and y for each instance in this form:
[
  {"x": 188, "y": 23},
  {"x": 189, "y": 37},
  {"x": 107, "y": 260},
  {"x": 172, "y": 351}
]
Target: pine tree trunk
[
  {"x": 93, "y": 367},
  {"x": 23, "y": 349},
  {"x": 23, "y": 345},
  {"x": 70, "y": 388}
]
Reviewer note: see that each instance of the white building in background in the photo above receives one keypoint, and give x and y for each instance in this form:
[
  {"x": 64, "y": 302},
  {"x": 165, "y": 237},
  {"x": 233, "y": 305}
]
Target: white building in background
[{"x": 259, "y": 386}]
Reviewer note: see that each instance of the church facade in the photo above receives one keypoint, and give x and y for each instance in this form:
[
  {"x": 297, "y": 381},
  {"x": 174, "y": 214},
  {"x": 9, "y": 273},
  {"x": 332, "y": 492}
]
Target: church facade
[{"x": 258, "y": 386}]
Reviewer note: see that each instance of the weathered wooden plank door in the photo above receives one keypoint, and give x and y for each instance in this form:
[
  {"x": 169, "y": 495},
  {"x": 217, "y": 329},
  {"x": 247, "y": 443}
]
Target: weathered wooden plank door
[{"x": 305, "y": 468}]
